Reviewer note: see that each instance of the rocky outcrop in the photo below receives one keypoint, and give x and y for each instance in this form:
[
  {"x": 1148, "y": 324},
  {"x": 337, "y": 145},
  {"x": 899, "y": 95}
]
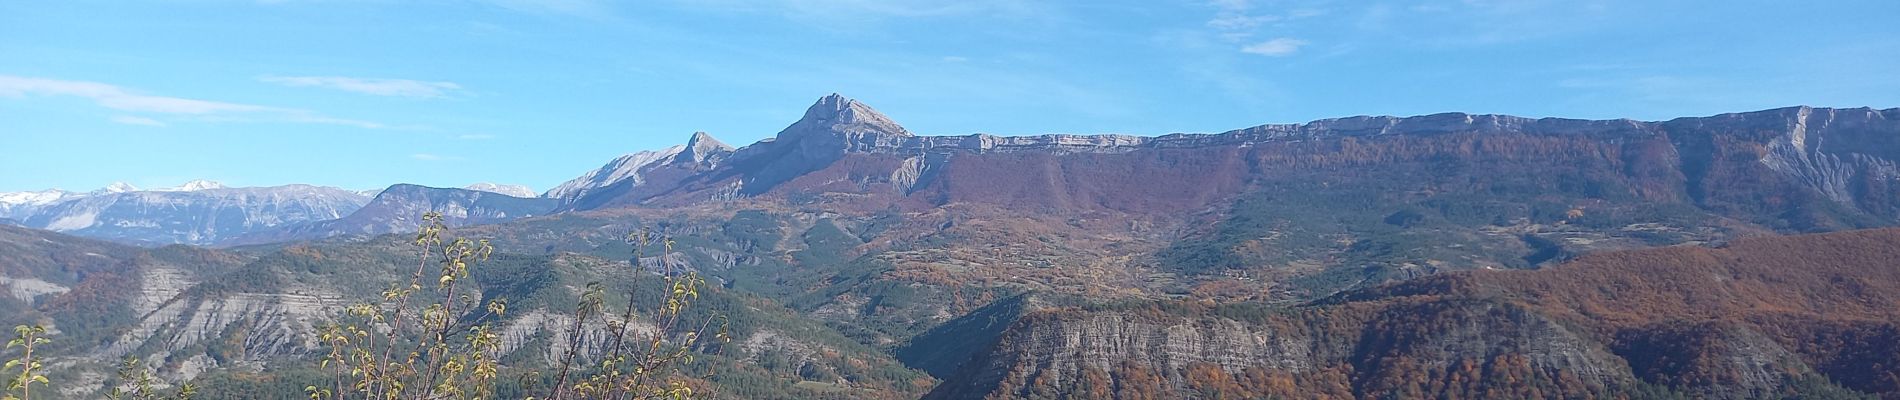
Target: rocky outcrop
[
  {"x": 1762, "y": 317},
  {"x": 265, "y": 325},
  {"x": 30, "y": 289},
  {"x": 1057, "y": 348},
  {"x": 1838, "y": 153},
  {"x": 550, "y": 331}
]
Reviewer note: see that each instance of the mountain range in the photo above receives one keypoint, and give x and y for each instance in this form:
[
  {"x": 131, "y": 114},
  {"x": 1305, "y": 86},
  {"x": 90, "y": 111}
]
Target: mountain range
[
  {"x": 843, "y": 147},
  {"x": 1446, "y": 255},
  {"x": 199, "y": 213},
  {"x": 207, "y": 213}
]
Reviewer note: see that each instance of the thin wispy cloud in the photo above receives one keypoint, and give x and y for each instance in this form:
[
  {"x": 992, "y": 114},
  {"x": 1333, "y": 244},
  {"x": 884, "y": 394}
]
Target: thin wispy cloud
[
  {"x": 118, "y": 98},
  {"x": 136, "y": 120},
  {"x": 1279, "y": 47},
  {"x": 1239, "y": 22},
  {"x": 370, "y": 86},
  {"x": 1236, "y": 16}
]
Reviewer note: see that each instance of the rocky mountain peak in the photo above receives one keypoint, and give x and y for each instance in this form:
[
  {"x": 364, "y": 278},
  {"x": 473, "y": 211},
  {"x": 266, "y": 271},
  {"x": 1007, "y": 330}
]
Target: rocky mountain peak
[
  {"x": 118, "y": 187},
  {"x": 838, "y": 115},
  {"x": 701, "y": 147}
]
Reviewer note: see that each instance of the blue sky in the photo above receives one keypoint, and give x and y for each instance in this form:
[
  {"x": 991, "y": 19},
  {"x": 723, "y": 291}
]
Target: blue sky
[{"x": 362, "y": 94}]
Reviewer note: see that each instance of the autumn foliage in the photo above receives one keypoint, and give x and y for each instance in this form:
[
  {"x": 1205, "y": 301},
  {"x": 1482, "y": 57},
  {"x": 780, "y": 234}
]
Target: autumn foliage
[{"x": 1805, "y": 316}]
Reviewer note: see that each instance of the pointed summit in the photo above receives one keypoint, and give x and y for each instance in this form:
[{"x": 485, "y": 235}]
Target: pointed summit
[
  {"x": 117, "y": 187},
  {"x": 702, "y": 147},
  {"x": 702, "y": 142},
  {"x": 835, "y": 113}
]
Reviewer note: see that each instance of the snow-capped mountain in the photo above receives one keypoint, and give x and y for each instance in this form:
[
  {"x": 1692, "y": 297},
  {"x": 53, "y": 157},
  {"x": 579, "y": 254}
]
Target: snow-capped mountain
[
  {"x": 509, "y": 190},
  {"x": 17, "y": 205},
  {"x": 116, "y": 187},
  {"x": 20, "y": 205},
  {"x": 193, "y": 186},
  {"x": 197, "y": 212}
]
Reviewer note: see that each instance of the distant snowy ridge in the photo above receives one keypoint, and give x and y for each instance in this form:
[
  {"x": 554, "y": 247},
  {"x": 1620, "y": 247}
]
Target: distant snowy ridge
[
  {"x": 42, "y": 197},
  {"x": 193, "y": 186},
  {"x": 198, "y": 212},
  {"x": 509, "y": 190},
  {"x": 17, "y": 205}
]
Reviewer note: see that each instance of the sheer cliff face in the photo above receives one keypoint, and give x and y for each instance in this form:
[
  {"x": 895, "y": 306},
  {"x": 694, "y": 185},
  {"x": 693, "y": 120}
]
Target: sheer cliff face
[
  {"x": 1759, "y": 318},
  {"x": 1839, "y": 162}
]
